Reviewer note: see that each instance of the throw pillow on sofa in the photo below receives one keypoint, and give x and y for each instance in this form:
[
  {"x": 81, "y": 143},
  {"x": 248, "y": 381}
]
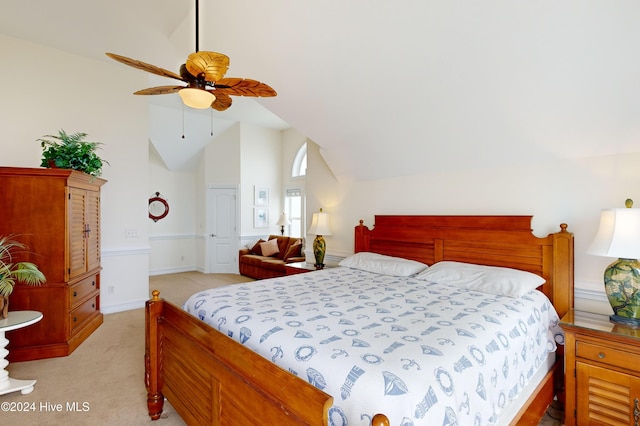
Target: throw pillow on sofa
[
  {"x": 295, "y": 250},
  {"x": 269, "y": 248},
  {"x": 256, "y": 248}
]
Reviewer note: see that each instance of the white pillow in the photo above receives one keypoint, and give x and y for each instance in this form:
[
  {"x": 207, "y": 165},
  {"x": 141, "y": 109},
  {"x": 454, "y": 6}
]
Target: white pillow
[
  {"x": 269, "y": 248},
  {"x": 487, "y": 279},
  {"x": 381, "y": 264}
]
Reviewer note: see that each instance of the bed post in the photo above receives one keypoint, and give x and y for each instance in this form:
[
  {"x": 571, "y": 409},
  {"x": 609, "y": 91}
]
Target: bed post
[
  {"x": 563, "y": 270},
  {"x": 563, "y": 288},
  {"x": 152, "y": 373},
  {"x": 362, "y": 237},
  {"x": 380, "y": 420}
]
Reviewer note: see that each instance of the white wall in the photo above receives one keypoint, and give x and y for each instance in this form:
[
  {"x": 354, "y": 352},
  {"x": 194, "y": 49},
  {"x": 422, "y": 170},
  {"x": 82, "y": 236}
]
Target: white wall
[
  {"x": 220, "y": 167},
  {"x": 173, "y": 238},
  {"x": 261, "y": 158},
  {"x": 242, "y": 156},
  {"x": 47, "y": 90},
  {"x": 322, "y": 192},
  {"x": 572, "y": 192}
]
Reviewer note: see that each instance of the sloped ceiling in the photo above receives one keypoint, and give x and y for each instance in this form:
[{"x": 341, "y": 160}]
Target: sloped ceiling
[{"x": 390, "y": 88}]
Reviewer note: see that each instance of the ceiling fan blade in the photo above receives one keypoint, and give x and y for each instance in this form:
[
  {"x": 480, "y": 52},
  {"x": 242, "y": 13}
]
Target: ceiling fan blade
[
  {"x": 144, "y": 66},
  {"x": 244, "y": 87},
  {"x": 212, "y": 64},
  {"x": 222, "y": 101},
  {"x": 159, "y": 90}
]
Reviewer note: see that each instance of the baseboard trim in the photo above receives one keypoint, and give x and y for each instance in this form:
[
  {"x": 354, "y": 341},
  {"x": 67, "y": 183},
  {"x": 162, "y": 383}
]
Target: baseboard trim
[
  {"x": 598, "y": 296},
  {"x": 171, "y": 237},
  {"x": 173, "y": 270},
  {"x": 121, "y": 307}
]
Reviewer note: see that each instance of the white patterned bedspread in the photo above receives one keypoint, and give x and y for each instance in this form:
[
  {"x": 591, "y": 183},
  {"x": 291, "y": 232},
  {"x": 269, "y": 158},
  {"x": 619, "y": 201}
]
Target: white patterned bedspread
[{"x": 420, "y": 352}]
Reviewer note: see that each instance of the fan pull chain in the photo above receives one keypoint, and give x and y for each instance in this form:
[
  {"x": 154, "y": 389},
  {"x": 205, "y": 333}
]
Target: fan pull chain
[
  {"x": 211, "y": 121},
  {"x": 182, "y": 121}
]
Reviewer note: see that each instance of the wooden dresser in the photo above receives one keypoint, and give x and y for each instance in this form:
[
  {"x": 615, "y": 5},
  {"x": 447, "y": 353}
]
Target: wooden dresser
[
  {"x": 602, "y": 375},
  {"x": 56, "y": 213}
]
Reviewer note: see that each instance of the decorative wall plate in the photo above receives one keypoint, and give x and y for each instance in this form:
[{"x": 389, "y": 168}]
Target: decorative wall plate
[{"x": 158, "y": 207}]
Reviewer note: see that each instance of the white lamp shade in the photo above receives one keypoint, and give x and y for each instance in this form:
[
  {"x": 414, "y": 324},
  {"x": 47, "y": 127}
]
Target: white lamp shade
[
  {"x": 196, "y": 98},
  {"x": 283, "y": 221},
  {"x": 320, "y": 224},
  {"x": 618, "y": 234}
]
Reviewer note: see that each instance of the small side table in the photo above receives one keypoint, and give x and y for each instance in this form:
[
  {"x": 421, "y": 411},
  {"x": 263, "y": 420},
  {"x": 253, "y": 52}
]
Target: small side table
[
  {"x": 602, "y": 373},
  {"x": 15, "y": 320},
  {"x": 298, "y": 268}
]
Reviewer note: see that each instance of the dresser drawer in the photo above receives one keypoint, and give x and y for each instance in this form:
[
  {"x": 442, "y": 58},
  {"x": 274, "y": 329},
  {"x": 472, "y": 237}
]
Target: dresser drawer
[
  {"x": 604, "y": 355},
  {"x": 83, "y": 312},
  {"x": 80, "y": 290}
]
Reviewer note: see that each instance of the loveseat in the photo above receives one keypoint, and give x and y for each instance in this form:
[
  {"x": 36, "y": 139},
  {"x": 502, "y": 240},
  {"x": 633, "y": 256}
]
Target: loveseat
[{"x": 266, "y": 259}]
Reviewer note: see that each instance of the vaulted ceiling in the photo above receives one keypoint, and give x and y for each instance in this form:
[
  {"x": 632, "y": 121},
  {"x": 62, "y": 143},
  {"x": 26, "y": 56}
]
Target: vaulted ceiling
[{"x": 390, "y": 88}]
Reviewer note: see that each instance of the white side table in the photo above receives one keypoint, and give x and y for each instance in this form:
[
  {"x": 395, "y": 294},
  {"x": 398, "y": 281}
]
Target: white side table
[{"x": 15, "y": 320}]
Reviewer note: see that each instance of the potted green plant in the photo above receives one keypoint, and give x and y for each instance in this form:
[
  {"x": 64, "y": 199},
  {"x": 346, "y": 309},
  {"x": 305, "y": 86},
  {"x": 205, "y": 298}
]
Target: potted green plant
[
  {"x": 12, "y": 273},
  {"x": 71, "y": 151}
]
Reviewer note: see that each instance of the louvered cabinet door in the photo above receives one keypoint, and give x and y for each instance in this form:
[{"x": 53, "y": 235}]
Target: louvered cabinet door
[
  {"x": 606, "y": 397},
  {"x": 84, "y": 231},
  {"x": 77, "y": 244},
  {"x": 92, "y": 223}
]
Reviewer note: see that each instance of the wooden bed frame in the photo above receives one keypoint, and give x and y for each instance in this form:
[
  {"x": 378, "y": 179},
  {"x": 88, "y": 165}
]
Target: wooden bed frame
[{"x": 211, "y": 379}]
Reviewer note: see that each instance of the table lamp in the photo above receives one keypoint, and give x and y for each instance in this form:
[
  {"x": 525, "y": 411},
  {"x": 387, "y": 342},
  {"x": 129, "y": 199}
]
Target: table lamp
[
  {"x": 282, "y": 222},
  {"x": 619, "y": 236},
  {"x": 319, "y": 227}
]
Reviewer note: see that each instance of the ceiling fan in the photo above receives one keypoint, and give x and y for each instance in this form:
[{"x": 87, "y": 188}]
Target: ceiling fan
[{"x": 203, "y": 72}]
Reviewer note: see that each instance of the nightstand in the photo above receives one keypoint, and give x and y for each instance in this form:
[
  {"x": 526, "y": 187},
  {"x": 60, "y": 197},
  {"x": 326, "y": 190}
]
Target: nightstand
[
  {"x": 299, "y": 268},
  {"x": 602, "y": 370}
]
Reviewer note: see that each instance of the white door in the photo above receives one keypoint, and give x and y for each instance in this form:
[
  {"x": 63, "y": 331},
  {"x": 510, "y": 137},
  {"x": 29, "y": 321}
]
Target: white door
[{"x": 222, "y": 236}]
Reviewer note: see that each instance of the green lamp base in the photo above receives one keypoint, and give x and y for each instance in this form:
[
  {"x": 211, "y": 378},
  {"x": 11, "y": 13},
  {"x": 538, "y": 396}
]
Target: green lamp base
[
  {"x": 630, "y": 322},
  {"x": 319, "y": 248},
  {"x": 622, "y": 285}
]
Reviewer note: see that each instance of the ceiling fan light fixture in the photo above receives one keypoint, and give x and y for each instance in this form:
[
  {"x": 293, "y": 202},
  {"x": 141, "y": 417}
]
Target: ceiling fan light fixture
[
  {"x": 202, "y": 69},
  {"x": 196, "y": 98}
]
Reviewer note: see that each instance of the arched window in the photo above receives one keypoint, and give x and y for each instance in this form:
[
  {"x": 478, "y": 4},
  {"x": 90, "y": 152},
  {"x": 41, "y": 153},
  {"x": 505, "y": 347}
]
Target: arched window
[
  {"x": 294, "y": 197},
  {"x": 300, "y": 162}
]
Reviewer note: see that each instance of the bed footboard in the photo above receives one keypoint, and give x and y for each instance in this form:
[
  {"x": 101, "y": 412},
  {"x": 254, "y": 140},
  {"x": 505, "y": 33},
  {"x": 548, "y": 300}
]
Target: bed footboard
[{"x": 211, "y": 379}]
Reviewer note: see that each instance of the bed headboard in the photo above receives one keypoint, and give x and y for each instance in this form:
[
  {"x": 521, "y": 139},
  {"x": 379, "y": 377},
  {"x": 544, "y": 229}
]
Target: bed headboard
[{"x": 487, "y": 240}]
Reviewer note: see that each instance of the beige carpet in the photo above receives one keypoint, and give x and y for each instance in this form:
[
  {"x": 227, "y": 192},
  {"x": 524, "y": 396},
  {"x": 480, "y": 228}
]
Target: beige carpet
[
  {"x": 104, "y": 377},
  {"x": 105, "y": 374}
]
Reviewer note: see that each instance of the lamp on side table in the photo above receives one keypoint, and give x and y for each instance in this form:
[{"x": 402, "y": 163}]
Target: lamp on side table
[
  {"x": 319, "y": 227},
  {"x": 619, "y": 236},
  {"x": 282, "y": 222}
]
